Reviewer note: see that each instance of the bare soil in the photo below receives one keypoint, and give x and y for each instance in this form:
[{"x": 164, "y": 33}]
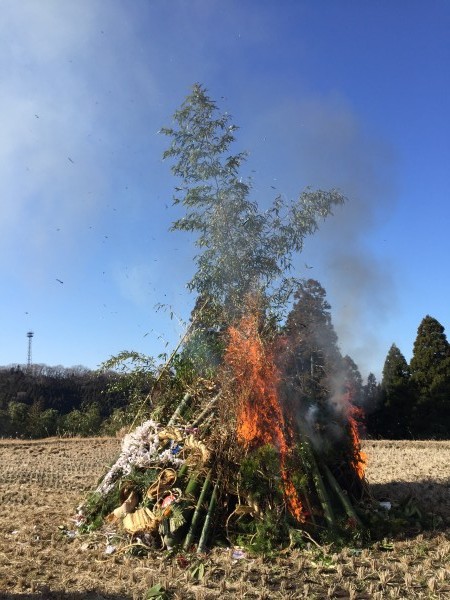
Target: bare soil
[{"x": 41, "y": 483}]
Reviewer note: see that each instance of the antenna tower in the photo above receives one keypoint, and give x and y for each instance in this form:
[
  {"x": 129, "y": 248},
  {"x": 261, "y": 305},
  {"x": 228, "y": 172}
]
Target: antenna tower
[{"x": 30, "y": 337}]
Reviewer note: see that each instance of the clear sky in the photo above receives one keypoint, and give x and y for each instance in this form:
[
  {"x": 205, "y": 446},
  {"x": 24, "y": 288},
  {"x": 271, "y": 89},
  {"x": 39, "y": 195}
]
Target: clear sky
[{"x": 351, "y": 94}]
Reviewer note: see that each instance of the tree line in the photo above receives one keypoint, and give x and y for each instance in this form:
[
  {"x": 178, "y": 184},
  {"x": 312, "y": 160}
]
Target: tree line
[
  {"x": 245, "y": 255},
  {"x": 411, "y": 401},
  {"x": 43, "y": 401}
]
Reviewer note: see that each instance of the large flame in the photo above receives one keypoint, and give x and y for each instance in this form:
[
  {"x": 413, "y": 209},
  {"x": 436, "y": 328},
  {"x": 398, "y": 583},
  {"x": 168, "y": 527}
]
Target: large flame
[
  {"x": 260, "y": 418},
  {"x": 355, "y": 417}
]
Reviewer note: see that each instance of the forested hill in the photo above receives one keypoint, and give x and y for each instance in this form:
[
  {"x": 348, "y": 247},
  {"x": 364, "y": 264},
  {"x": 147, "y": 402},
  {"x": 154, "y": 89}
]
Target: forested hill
[{"x": 43, "y": 401}]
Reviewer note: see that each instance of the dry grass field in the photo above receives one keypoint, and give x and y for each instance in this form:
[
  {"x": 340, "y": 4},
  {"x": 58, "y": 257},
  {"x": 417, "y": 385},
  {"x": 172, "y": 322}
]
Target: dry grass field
[{"x": 41, "y": 482}]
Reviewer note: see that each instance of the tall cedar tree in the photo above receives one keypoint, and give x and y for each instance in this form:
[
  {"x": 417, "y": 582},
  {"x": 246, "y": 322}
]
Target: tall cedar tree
[
  {"x": 396, "y": 397},
  {"x": 371, "y": 393},
  {"x": 353, "y": 380},
  {"x": 372, "y": 405},
  {"x": 313, "y": 359},
  {"x": 430, "y": 376},
  {"x": 241, "y": 249},
  {"x": 312, "y": 368}
]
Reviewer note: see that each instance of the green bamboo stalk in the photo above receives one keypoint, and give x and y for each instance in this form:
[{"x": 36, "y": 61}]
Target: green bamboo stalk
[
  {"x": 317, "y": 479},
  {"x": 350, "y": 511},
  {"x": 195, "y": 517},
  {"x": 320, "y": 488},
  {"x": 179, "y": 408},
  {"x": 192, "y": 485},
  {"x": 207, "y": 523},
  {"x": 206, "y": 410},
  {"x": 182, "y": 471}
]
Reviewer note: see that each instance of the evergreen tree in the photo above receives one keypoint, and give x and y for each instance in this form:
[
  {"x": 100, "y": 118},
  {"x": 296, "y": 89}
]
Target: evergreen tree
[
  {"x": 353, "y": 380},
  {"x": 242, "y": 250},
  {"x": 312, "y": 358},
  {"x": 372, "y": 405},
  {"x": 430, "y": 376},
  {"x": 396, "y": 398},
  {"x": 371, "y": 392}
]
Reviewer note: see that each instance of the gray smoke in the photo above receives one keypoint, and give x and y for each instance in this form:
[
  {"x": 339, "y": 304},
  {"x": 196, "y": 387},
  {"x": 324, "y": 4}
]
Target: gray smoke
[{"x": 323, "y": 144}]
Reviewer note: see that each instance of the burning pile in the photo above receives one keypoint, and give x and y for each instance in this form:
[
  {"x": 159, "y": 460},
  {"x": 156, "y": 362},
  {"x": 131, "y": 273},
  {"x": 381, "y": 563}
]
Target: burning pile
[{"x": 237, "y": 462}]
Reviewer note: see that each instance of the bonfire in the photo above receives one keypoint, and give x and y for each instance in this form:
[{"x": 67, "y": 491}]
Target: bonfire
[
  {"x": 237, "y": 462},
  {"x": 244, "y": 458}
]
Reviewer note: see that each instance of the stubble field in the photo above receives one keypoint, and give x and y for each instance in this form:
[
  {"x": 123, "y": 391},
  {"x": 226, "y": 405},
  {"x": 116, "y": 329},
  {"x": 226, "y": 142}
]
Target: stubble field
[{"x": 41, "y": 483}]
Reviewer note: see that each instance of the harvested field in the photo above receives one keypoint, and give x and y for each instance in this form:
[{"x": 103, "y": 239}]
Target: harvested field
[{"x": 41, "y": 482}]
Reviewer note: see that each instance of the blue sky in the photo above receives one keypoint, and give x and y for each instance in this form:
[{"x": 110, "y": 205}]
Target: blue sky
[{"x": 349, "y": 94}]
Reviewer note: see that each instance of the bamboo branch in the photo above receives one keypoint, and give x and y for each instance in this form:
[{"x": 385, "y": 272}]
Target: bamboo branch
[{"x": 168, "y": 361}]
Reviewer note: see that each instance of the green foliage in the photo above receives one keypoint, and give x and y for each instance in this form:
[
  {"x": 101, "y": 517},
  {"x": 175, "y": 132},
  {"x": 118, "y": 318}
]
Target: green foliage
[
  {"x": 35, "y": 402},
  {"x": 200, "y": 356},
  {"x": 353, "y": 380},
  {"x": 156, "y": 592},
  {"x": 97, "y": 507},
  {"x": 430, "y": 377},
  {"x": 260, "y": 476},
  {"x": 311, "y": 357},
  {"x": 85, "y": 422},
  {"x": 242, "y": 249},
  {"x": 141, "y": 479},
  {"x": 396, "y": 396},
  {"x": 266, "y": 535},
  {"x": 137, "y": 374}
]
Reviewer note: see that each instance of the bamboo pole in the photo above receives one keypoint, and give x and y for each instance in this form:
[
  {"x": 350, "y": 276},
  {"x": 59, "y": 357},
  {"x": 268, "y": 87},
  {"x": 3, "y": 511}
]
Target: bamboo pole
[
  {"x": 164, "y": 368},
  {"x": 206, "y": 410},
  {"x": 191, "y": 487},
  {"x": 342, "y": 496},
  {"x": 207, "y": 523},
  {"x": 195, "y": 517},
  {"x": 320, "y": 487},
  {"x": 317, "y": 478},
  {"x": 179, "y": 408}
]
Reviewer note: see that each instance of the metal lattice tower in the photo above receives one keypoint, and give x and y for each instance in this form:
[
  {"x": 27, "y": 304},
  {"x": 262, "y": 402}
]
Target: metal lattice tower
[{"x": 30, "y": 337}]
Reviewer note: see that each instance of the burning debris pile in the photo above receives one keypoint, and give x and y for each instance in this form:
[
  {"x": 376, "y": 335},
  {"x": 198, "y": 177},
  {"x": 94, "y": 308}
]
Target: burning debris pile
[
  {"x": 254, "y": 458},
  {"x": 234, "y": 464}
]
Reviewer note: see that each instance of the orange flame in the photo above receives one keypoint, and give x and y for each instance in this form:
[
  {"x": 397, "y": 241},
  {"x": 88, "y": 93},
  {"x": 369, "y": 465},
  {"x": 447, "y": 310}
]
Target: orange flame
[
  {"x": 355, "y": 416},
  {"x": 260, "y": 417}
]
